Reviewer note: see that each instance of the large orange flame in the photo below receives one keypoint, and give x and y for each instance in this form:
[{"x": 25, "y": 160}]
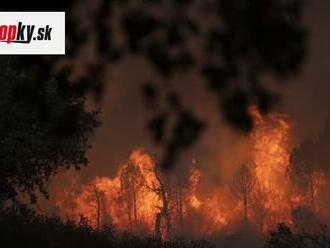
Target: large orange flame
[
  {"x": 142, "y": 199},
  {"x": 271, "y": 154}
]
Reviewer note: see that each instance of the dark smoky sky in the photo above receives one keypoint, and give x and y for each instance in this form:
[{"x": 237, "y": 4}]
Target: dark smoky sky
[{"x": 305, "y": 99}]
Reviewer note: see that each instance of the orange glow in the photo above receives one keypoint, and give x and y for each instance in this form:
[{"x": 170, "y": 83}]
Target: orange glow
[
  {"x": 142, "y": 199},
  {"x": 271, "y": 154}
]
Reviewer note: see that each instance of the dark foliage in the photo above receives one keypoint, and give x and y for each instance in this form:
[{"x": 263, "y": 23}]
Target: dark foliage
[
  {"x": 21, "y": 227},
  {"x": 283, "y": 237},
  {"x": 42, "y": 128}
]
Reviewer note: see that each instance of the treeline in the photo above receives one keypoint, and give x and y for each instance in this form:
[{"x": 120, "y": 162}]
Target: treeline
[{"x": 22, "y": 227}]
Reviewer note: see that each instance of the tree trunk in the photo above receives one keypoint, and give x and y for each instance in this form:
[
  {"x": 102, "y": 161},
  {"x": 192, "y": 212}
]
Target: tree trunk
[
  {"x": 134, "y": 205},
  {"x": 98, "y": 209},
  {"x": 179, "y": 206},
  {"x": 157, "y": 225},
  {"x": 246, "y": 210}
]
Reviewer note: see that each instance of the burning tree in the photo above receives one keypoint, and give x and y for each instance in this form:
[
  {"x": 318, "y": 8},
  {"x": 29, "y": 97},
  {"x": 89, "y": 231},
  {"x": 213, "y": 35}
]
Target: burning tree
[
  {"x": 174, "y": 192},
  {"x": 307, "y": 177},
  {"x": 162, "y": 188},
  {"x": 182, "y": 191},
  {"x": 179, "y": 200},
  {"x": 102, "y": 218},
  {"x": 131, "y": 180},
  {"x": 242, "y": 187},
  {"x": 164, "y": 202},
  {"x": 260, "y": 213},
  {"x": 98, "y": 196}
]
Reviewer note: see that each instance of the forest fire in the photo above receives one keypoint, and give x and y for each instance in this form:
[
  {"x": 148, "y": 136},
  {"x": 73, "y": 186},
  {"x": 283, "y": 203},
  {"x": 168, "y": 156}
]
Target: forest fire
[
  {"x": 271, "y": 153},
  {"x": 166, "y": 124},
  {"x": 142, "y": 199}
]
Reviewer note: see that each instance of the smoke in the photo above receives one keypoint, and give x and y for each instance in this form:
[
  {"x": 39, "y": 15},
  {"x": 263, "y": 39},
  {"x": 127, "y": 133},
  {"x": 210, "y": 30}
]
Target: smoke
[
  {"x": 306, "y": 99},
  {"x": 124, "y": 117},
  {"x": 220, "y": 151}
]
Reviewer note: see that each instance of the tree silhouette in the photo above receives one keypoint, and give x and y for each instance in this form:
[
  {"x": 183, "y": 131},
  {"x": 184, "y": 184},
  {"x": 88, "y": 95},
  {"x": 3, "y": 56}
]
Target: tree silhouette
[
  {"x": 100, "y": 211},
  {"x": 131, "y": 182},
  {"x": 243, "y": 186},
  {"x": 42, "y": 129},
  {"x": 164, "y": 190}
]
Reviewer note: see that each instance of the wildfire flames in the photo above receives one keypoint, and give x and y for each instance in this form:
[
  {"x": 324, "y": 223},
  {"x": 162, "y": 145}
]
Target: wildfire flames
[{"x": 142, "y": 199}]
